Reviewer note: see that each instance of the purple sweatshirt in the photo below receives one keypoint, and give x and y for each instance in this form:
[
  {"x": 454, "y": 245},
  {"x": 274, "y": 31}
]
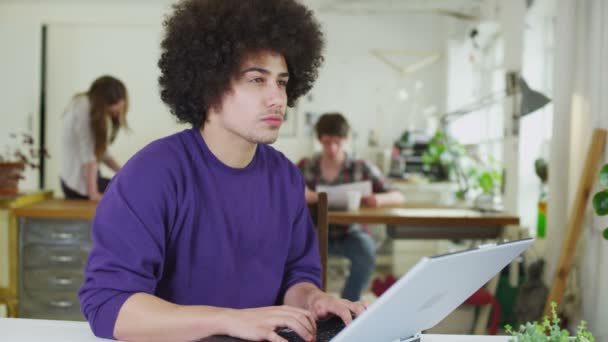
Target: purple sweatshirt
[{"x": 179, "y": 224}]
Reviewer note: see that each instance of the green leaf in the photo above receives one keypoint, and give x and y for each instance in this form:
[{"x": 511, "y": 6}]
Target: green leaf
[
  {"x": 600, "y": 203},
  {"x": 427, "y": 158},
  {"x": 486, "y": 183},
  {"x": 604, "y": 176},
  {"x": 606, "y": 233}
]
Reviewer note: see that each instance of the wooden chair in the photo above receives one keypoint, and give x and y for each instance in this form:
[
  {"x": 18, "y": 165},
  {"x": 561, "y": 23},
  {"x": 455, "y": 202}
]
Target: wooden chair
[{"x": 318, "y": 212}]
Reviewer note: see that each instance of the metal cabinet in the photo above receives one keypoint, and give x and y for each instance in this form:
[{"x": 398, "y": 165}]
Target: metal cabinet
[
  {"x": 9, "y": 247},
  {"x": 53, "y": 253}
]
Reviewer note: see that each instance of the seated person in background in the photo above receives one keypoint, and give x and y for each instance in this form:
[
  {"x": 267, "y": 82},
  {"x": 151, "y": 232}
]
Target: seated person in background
[
  {"x": 332, "y": 167},
  {"x": 91, "y": 123},
  {"x": 207, "y": 232}
]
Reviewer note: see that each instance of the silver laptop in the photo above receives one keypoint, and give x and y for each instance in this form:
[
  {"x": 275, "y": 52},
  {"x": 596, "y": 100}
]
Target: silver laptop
[{"x": 429, "y": 292}]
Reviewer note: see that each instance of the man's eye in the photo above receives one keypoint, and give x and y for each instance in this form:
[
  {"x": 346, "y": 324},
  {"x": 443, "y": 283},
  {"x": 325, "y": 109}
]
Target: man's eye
[
  {"x": 258, "y": 80},
  {"x": 283, "y": 83}
]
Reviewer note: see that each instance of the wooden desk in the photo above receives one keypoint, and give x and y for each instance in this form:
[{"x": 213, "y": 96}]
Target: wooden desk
[
  {"x": 58, "y": 208},
  {"x": 430, "y": 223},
  {"x": 30, "y": 330}
]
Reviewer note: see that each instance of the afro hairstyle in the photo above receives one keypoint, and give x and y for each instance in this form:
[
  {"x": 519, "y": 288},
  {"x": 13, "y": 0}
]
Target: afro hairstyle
[{"x": 206, "y": 40}]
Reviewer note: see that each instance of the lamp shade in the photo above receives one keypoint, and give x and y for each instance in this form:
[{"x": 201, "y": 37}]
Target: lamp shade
[{"x": 531, "y": 100}]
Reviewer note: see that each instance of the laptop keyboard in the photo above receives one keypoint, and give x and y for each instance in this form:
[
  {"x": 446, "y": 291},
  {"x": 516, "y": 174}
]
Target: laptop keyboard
[{"x": 326, "y": 330}]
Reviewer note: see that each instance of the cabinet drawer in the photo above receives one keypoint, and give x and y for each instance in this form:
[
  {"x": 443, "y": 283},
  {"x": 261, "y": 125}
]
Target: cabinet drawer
[
  {"x": 50, "y": 305},
  {"x": 48, "y": 256},
  {"x": 53, "y": 279},
  {"x": 55, "y": 231}
]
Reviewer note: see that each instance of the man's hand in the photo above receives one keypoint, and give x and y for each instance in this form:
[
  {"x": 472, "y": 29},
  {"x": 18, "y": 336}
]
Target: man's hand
[
  {"x": 322, "y": 304},
  {"x": 311, "y": 196},
  {"x": 96, "y": 196},
  {"x": 260, "y": 324}
]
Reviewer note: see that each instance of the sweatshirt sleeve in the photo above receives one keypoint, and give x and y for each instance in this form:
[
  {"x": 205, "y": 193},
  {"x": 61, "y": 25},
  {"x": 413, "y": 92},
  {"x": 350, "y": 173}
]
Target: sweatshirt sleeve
[
  {"x": 128, "y": 234},
  {"x": 303, "y": 261}
]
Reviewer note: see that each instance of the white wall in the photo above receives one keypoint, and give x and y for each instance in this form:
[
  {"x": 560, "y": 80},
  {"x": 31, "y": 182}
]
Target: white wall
[
  {"x": 364, "y": 88},
  {"x": 79, "y": 53},
  {"x": 20, "y": 31},
  {"x": 580, "y": 106},
  {"x": 352, "y": 80},
  {"x": 18, "y": 85},
  {"x": 535, "y": 133}
]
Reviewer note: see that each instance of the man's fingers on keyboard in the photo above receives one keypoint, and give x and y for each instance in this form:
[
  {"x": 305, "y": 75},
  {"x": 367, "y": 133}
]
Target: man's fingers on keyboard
[
  {"x": 299, "y": 327},
  {"x": 357, "y": 308},
  {"x": 302, "y": 314},
  {"x": 305, "y": 318},
  {"x": 344, "y": 314},
  {"x": 274, "y": 337}
]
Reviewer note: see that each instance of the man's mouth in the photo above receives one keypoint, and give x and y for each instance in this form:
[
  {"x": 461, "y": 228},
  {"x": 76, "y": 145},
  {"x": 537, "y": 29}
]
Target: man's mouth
[{"x": 274, "y": 121}]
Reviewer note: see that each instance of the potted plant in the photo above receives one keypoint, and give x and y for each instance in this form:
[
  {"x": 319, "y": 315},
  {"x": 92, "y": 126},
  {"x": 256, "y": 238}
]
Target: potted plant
[
  {"x": 17, "y": 155},
  {"x": 549, "y": 331},
  {"x": 442, "y": 160},
  {"x": 600, "y": 199},
  {"x": 487, "y": 181},
  {"x": 475, "y": 178}
]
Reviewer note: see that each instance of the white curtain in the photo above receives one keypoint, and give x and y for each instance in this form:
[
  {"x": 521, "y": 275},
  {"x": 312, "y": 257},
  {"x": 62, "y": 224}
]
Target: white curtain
[{"x": 581, "y": 105}]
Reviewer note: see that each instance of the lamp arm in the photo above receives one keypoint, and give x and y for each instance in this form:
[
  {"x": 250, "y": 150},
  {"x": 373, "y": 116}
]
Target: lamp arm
[{"x": 488, "y": 100}]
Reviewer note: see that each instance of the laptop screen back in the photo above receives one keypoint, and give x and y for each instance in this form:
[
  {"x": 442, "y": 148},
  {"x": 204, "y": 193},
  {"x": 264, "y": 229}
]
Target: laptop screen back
[{"x": 430, "y": 291}]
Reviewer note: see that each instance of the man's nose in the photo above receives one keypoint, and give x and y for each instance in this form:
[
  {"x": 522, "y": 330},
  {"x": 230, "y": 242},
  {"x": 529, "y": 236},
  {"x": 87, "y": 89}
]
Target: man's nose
[{"x": 276, "y": 95}]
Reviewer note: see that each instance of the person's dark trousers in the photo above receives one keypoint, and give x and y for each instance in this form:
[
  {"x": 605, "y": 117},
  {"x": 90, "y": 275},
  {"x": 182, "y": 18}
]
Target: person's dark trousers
[{"x": 69, "y": 193}]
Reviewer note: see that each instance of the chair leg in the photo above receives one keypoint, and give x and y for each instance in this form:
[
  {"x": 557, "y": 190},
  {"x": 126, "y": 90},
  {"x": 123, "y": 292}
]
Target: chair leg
[
  {"x": 5, "y": 303},
  {"x": 12, "y": 308}
]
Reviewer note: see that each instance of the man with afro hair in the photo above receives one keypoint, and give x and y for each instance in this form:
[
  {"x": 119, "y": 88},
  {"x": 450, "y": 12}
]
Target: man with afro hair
[{"x": 206, "y": 232}]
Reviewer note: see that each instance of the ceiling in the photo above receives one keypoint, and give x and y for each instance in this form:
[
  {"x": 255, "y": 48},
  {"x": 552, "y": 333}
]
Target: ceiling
[
  {"x": 465, "y": 8},
  {"x": 346, "y": 5},
  {"x": 459, "y": 9}
]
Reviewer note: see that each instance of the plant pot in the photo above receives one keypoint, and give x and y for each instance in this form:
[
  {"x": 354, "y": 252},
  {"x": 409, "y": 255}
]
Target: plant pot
[
  {"x": 488, "y": 202},
  {"x": 10, "y": 174}
]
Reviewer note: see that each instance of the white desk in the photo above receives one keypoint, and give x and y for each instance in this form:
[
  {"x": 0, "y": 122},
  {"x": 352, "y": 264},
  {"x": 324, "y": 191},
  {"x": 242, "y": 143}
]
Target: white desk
[{"x": 30, "y": 330}]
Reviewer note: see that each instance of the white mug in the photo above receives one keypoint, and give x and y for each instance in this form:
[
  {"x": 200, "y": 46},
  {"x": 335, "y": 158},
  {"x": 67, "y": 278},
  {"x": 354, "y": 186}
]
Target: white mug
[{"x": 353, "y": 200}]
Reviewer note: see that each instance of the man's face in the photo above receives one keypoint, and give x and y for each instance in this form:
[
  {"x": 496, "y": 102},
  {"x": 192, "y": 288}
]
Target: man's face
[
  {"x": 254, "y": 108},
  {"x": 333, "y": 145}
]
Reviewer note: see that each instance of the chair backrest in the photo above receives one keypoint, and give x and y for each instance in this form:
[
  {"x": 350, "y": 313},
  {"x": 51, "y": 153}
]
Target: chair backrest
[{"x": 318, "y": 212}]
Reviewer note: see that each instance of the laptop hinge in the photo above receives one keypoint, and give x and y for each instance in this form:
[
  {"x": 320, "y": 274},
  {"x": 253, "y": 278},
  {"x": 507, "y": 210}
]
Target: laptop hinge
[{"x": 415, "y": 338}]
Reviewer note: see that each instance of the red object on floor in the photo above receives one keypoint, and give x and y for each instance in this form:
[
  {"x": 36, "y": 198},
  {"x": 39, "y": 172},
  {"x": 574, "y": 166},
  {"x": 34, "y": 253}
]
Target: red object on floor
[
  {"x": 484, "y": 297},
  {"x": 379, "y": 285}
]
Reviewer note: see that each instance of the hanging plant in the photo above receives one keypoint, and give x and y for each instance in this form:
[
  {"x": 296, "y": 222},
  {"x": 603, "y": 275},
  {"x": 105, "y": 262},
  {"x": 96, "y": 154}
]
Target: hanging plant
[{"x": 600, "y": 199}]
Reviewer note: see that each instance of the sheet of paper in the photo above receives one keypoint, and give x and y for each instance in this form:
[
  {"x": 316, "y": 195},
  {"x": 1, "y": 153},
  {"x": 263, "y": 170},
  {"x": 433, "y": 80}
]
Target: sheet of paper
[{"x": 337, "y": 194}]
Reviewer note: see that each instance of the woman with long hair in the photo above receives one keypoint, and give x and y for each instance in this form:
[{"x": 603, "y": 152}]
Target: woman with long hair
[{"x": 91, "y": 123}]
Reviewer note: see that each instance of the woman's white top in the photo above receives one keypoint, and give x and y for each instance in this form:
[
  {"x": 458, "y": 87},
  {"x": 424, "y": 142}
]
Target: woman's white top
[{"x": 78, "y": 144}]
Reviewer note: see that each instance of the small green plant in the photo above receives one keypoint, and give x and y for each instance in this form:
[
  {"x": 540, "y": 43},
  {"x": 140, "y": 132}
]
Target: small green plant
[
  {"x": 442, "y": 152},
  {"x": 549, "y": 331},
  {"x": 471, "y": 174},
  {"x": 600, "y": 199},
  {"x": 487, "y": 179}
]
